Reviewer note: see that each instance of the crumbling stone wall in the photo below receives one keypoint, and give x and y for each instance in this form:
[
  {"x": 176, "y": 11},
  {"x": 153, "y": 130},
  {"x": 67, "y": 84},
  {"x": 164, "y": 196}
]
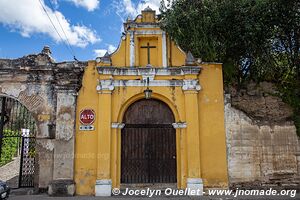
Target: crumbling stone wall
[
  {"x": 262, "y": 144},
  {"x": 48, "y": 90}
]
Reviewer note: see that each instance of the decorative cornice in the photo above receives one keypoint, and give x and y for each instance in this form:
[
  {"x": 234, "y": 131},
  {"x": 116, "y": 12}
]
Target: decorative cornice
[
  {"x": 187, "y": 85},
  {"x": 149, "y": 32},
  {"x": 132, "y": 24},
  {"x": 138, "y": 83},
  {"x": 149, "y": 73},
  {"x": 137, "y": 71}
]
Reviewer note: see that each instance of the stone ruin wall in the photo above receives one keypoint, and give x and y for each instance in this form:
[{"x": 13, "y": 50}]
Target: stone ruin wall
[
  {"x": 262, "y": 144},
  {"x": 48, "y": 90}
]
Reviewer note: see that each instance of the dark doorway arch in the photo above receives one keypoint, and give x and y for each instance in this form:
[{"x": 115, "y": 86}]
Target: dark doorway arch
[
  {"x": 148, "y": 143},
  {"x": 17, "y": 142}
]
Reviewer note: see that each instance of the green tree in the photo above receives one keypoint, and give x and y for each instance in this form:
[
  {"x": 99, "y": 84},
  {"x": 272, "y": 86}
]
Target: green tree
[
  {"x": 233, "y": 32},
  {"x": 257, "y": 40}
]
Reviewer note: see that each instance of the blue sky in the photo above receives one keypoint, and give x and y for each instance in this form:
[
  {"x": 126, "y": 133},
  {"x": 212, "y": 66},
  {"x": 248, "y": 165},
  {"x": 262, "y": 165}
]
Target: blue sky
[{"x": 91, "y": 26}]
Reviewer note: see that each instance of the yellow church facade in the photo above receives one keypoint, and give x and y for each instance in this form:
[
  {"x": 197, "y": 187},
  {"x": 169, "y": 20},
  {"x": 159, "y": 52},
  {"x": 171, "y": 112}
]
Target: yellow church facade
[{"x": 157, "y": 116}]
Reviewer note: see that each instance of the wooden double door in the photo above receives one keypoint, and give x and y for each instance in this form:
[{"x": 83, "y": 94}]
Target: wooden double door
[{"x": 148, "y": 144}]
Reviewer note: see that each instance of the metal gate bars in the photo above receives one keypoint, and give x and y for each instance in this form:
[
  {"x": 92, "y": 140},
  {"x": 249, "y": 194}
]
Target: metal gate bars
[{"x": 17, "y": 139}]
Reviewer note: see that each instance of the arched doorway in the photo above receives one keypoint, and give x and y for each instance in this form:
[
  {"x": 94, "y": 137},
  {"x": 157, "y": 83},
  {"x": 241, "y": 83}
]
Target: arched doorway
[
  {"x": 17, "y": 143},
  {"x": 148, "y": 143}
]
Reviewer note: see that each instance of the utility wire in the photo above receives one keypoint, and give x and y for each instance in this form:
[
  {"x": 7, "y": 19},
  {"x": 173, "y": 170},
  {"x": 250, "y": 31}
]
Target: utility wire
[
  {"x": 70, "y": 47},
  {"x": 55, "y": 27}
]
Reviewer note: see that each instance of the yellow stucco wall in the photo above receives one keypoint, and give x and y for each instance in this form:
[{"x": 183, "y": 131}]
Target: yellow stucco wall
[
  {"x": 86, "y": 141},
  {"x": 212, "y": 128},
  {"x": 201, "y": 148}
]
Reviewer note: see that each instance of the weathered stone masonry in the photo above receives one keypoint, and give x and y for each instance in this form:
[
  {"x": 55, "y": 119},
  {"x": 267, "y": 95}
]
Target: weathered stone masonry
[
  {"x": 49, "y": 91},
  {"x": 262, "y": 144}
]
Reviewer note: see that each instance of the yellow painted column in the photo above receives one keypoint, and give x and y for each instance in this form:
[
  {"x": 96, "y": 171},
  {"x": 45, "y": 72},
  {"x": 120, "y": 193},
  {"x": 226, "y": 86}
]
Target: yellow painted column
[
  {"x": 116, "y": 132},
  {"x": 194, "y": 181},
  {"x": 181, "y": 152},
  {"x": 104, "y": 182}
]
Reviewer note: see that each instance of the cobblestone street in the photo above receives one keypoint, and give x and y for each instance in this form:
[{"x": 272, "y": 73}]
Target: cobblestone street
[{"x": 10, "y": 172}]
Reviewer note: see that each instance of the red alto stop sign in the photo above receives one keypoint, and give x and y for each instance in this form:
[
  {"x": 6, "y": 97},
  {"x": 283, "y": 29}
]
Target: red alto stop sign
[{"x": 87, "y": 116}]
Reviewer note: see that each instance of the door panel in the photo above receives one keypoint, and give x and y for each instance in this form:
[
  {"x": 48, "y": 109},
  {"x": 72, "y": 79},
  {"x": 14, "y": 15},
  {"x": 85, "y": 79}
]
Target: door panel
[{"x": 148, "y": 147}]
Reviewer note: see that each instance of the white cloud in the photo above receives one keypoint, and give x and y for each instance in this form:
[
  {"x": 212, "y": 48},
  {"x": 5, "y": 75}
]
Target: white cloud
[
  {"x": 111, "y": 48},
  {"x": 28, "y": 18},
  {"x": 125, "y": 8},
  {"x": 54, "y": 3},
  {"x": 90, "y": 5},
  {"x": 101, "y": 52}
]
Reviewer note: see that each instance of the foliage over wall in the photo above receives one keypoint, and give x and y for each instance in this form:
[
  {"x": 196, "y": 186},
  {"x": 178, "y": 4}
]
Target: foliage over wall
[
  {"x": 256, "y": 40},
  {"x": 10, "y": 148}
]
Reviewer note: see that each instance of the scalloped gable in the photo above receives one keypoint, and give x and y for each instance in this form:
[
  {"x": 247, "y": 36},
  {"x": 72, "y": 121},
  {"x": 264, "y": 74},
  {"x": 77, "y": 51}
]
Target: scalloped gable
[{"x": 144, "y": 43}]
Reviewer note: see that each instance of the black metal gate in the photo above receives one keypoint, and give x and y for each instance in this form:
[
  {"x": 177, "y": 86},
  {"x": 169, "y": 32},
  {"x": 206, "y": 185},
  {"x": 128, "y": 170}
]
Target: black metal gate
[
  {"x": 17, "y": 139},
  {"x": 148, "y": 153}
]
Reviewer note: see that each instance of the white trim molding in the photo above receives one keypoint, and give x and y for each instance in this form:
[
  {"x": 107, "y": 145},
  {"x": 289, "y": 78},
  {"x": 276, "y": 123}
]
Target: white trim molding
[
  {"x": 132, "y": 46},
  {"x": 150, "y": 73},
  {"x": 164, "y": 49},
  {"x": 117, "y": 125},
  {"x": 179, "y": 125},
  {"x": 149, "y": 32},
  {"x": 157, "y": 71},
  {"x": 141, "y": 83},
  {"x": 109, "y": 85}
]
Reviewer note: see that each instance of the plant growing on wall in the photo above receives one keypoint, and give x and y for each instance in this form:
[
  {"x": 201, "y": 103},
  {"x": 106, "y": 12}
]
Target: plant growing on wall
[{"x": 10, "y": 147}]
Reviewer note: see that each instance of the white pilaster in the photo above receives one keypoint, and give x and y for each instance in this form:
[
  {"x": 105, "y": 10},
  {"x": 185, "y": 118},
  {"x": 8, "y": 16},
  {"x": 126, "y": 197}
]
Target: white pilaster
[
  {"x": 131, "y": 49},
  {"x": 164, "y": 49}
]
